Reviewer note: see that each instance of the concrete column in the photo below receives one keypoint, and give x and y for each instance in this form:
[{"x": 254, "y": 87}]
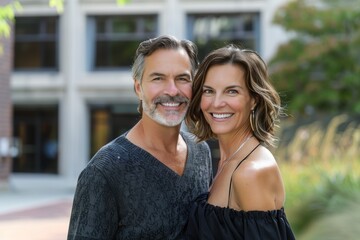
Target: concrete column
[
  {"x": 172, "y": 19},
  {"x": 72, "y": 107},
  {"x": 270, "y": 31}
]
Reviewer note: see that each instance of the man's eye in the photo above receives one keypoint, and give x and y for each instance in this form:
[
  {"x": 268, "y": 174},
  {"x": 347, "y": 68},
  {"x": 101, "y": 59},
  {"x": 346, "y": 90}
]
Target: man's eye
[{"x": 184, "y": 79}]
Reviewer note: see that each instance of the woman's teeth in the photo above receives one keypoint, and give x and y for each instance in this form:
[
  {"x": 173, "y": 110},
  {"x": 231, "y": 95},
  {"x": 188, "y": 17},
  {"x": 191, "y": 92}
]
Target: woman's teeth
[{"x": 221, "y": 115}]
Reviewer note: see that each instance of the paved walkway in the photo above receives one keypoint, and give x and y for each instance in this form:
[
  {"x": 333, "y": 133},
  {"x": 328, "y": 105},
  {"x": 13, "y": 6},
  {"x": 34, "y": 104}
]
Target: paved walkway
[
  {"x": 40, "y": 212},
  {"x": 48, "y": 222}
]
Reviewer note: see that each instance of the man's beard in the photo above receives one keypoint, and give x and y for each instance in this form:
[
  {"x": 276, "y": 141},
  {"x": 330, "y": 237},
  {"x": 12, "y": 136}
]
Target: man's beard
[{"x": 169, "y": 118}]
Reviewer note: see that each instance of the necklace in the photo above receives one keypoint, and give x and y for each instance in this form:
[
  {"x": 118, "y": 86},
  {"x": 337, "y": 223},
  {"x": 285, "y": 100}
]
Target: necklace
[
  {"x": 227, "y": 159},
  {"x": 237, "y": 150}
]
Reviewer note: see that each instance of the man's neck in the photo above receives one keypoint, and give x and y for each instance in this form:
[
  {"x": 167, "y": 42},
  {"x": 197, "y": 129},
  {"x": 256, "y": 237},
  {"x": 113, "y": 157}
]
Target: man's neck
[
  {"x": 149, "y": 134},
  {"x": 164, "y": 143}
]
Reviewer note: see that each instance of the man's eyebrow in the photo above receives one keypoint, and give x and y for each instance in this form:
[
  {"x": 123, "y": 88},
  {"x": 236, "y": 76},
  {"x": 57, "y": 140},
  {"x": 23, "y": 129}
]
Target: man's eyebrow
[
  {"x": 184, "y": 75},
  {"x": 155, "y": 74}
]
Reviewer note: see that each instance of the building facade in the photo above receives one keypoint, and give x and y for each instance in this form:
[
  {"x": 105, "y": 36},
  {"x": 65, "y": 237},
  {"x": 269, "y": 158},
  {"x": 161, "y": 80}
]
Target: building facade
[{"x": 71, "y": 84}]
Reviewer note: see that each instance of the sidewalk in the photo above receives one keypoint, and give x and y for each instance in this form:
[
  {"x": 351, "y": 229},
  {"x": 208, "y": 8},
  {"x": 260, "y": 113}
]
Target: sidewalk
[{"x": 36, "y": 208}]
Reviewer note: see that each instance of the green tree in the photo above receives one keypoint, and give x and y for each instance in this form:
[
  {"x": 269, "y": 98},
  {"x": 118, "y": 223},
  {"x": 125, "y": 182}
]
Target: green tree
[
  {"x": 6, "y": 19},
  {"x": 318, "y": 70}
]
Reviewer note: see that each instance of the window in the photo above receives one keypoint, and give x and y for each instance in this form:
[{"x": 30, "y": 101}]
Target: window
[
  {"x": 210, "y": 31},
  {"x": 37, "y": 129},
  {"x": 116, "y": 39},
  {"x": 36, "y": 43},
  {"x": 109, "y": 122}
]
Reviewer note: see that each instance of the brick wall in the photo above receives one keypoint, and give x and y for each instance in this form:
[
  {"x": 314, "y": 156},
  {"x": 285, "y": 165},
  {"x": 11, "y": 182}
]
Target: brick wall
[
  {"x": 6, "y": 62},
  {"x": 5, "y": 93}
]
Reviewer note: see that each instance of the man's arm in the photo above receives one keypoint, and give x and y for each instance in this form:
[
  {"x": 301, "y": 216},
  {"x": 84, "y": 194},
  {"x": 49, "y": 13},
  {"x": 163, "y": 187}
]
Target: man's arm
[{"x": 94, "y": 212}]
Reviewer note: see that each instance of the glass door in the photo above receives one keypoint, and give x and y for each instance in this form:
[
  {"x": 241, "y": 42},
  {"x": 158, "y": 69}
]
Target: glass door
[{"x": 37, "y": 131}]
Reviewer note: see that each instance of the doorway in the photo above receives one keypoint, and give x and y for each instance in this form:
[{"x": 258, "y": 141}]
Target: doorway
[{"x": 36, "y": 128}]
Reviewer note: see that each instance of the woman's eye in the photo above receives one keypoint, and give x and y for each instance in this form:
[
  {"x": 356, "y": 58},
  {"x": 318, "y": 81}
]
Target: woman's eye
[
  {"x": 232, "y": 91},
  {"x": 207, "y": 91}
]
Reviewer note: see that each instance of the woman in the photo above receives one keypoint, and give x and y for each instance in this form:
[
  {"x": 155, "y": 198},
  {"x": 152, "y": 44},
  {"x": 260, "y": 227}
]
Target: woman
[{"x": 234, "y": 102}]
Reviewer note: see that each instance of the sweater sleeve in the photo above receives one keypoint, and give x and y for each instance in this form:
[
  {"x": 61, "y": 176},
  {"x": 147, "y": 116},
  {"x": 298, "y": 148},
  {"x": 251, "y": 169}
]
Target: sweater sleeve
[
  {"x": 94, "y": 213},
  {"x": 210, "y": 166}
]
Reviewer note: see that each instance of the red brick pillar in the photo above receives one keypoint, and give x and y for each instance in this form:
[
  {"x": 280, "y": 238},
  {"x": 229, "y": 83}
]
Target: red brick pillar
[{"x": 6, "y": 64}]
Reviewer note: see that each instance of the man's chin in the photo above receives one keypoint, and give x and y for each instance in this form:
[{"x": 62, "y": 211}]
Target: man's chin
[
  {"x": 169, "y": 119},
  {"x": 170, "y": 122}
]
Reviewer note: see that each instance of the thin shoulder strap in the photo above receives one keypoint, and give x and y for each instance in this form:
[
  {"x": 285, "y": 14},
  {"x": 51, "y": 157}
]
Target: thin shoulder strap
[{"x": 237, "y": 168}]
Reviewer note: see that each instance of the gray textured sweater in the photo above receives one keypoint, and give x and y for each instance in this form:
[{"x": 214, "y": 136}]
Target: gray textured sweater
[{"x": 126, "y": 193}]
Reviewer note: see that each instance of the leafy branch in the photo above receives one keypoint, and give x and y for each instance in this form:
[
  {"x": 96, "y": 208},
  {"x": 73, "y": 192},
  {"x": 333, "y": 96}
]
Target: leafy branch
[
  {"x": 317, "y": 71},
  {"x": 7, "y": 17}
]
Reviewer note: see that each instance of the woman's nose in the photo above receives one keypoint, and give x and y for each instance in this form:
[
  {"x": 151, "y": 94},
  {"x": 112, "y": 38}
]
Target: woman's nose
[{"x": 218, "y": 101}]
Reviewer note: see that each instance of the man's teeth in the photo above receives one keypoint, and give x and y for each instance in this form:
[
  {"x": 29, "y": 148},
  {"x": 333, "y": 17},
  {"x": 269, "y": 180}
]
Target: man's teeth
[
  {"x": 170, "y": 104},
  {"x": 221, "y": 115}
]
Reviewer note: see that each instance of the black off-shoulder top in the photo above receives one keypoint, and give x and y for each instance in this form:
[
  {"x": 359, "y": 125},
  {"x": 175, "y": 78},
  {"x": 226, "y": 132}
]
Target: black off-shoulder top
[{"x": 209, "y": 222}]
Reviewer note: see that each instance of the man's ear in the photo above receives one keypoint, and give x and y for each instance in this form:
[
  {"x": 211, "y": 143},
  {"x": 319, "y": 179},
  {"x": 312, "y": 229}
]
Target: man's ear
[{"x": 137, "y": 88}]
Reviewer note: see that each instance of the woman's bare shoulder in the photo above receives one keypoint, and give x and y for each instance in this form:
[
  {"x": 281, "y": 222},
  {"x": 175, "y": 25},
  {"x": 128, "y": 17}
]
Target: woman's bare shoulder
[{"x": 257, "y": 182}]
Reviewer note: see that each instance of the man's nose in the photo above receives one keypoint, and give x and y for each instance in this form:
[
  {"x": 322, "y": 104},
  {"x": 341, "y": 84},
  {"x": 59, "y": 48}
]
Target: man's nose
[{"x": 171, "y": 88}]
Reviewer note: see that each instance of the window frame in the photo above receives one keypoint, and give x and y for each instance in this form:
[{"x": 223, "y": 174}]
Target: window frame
[
  {"x": 111, "y": 36},
  {"x": 41, "y": 37},
  {"x": 240, "y": 32}
]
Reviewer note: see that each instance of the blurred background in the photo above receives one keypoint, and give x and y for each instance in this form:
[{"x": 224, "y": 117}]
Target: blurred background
[{"x": 66, "y": 89}]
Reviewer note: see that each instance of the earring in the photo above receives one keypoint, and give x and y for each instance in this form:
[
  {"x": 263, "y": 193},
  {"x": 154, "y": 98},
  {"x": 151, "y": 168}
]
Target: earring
[{"x": 252, "y": 120}]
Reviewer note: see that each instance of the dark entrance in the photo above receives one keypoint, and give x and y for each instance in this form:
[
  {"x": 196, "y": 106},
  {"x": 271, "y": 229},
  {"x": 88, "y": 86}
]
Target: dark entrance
[
  {"x": 109, "y": 122},
  {"x": 37, "y": 131}
]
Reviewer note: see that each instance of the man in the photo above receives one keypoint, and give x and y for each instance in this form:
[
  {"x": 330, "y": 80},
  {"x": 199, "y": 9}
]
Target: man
[{"x": 140, "y": 185}]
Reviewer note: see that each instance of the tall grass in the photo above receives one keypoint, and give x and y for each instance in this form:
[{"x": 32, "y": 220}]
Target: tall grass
[
  {"x": 321, "y": 171},
  {"x": 314, "y": 141}
]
